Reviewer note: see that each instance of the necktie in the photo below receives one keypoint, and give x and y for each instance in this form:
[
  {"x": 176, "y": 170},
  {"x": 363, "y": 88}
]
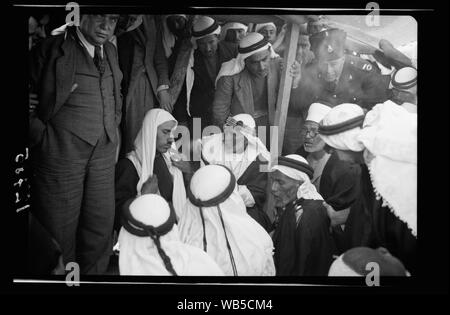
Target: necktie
[{"x": 98, "y": 60}]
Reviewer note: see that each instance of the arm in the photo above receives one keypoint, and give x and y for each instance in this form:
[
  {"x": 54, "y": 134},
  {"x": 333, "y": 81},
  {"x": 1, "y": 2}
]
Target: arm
[
  {"x": 222, "y": 100},
  {"x": 126, "y": 179},
  {"x": 160, "y": 60}
]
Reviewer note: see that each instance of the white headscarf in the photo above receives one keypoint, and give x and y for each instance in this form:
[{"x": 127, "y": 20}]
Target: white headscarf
[
  {"x": 317, "y": 112},
  {"x": 202, "y": 23},
  {"x": 236, "y": 65},
  {"x": 340, "y": 269},
  {"x": 213, "y": 149},
  {"x": 306, "y": 190},
  {"x": 264, "y": 25},
  {"x": 390, "y": 135},
  {"x": 347, "y": 140},
  {"x": 232, "y": 26},
  {"x": 139, "y": 255},
  {"x": 143, "y": 156},
  {"x": 251, "y": 245}
]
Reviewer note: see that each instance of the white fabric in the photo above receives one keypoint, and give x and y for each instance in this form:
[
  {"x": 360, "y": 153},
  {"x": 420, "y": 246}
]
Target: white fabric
[
  {"x": 340, "y": 269},
  {"x": 236, "y": 65},
  {"x": 213, "y": 150},
  {"x": 168, "y": 38},
  {"x": 390, "y": 134},
  {"x": 139, "y": 255},
  {"x": 263, "y": 25},
  {"x": 144, "y": 152},
  {"x": 190, "y": 76},
  {"x": 251, "y": 245},
  {"x": 317, "y": 112},
  {"x": 412, "y": 108},
  {"x": 306, "y": 190},
  {"x": 347, "y": 140},
  {"x": 232, "y": 26}
]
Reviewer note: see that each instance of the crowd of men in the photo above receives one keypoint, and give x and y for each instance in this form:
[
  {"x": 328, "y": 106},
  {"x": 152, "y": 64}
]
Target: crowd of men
[{"x": 110, "y": 170}]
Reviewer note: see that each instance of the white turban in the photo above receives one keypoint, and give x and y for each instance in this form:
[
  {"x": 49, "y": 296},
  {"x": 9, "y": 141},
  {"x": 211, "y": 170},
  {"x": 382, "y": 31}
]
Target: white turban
[
  {"x": 390, "y": 135},
  {"x": 306, "y": 190},
  {"x": 251, "y": 246},
  {"x": 236, "y": 65},
  {"x": 139, "y": 255},
  {"x": 143, "y": 156},
  {"x": 346, "y": 140},
  {"x": 317, "y": 112}
]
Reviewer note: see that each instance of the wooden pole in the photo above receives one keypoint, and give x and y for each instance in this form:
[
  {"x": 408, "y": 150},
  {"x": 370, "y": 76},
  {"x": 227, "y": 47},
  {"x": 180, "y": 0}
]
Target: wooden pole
[{"x": 284, "y": 92}]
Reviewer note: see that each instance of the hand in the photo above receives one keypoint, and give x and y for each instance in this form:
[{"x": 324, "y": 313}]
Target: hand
[
  {"x": 150, "y": 186},
  {"x": 336, "y": 217},
  {"x": 33, "y": 102},
  {"x": 184, "y": 166},
  {"x": 164, "y": 100}
]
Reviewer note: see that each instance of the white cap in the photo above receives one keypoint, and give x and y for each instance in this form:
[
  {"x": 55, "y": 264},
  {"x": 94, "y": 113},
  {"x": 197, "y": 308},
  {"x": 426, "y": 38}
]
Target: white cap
[
  {"x": 209, "y": 182},
  {"x": 341, "y": 113},
  {"x": 150, "y": 209},
  {"x": 317, "y": 112}
]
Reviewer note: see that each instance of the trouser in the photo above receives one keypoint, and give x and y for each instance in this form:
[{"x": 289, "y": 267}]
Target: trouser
[{"x": 73, "y": 196}]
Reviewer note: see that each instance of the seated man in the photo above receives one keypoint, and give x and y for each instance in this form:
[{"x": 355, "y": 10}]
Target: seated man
[
  {"x": 353, "y": 263},
  {"x": 244, "y": 154},
  {"x": 313, "y": 144},
  {"x": 149, "y": 167},
  {"x": 249, "y": 83},
  {"x": 303, "y": 244},
  {"x": 215, "y": 219},
  {"x": 151, "y": 246}
]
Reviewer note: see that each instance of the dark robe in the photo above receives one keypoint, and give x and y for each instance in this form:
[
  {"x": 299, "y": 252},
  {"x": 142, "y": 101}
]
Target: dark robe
[
  {"x": 340, "y": 187},
  {"x": 256, "y": 182},
  {"x": 306, "y": 248},
  {"x": 372, "y": 225},
  {"x": 127, "y": 179}
]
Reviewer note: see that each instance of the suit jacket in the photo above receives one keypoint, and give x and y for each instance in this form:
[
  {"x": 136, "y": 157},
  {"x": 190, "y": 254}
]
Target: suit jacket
[
  {"x": 234, "y": 94},
  {"x": 202, "y": 94},
  {"x": 52, "y": 78}
]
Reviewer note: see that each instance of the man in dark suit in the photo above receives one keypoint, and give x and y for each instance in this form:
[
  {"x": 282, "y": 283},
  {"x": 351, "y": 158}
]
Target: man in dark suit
[{"x": 73, "y": 139}]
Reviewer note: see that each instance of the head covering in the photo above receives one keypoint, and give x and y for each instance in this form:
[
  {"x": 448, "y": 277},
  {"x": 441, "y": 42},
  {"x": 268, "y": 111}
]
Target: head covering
[
  {"x": 341, "y": 127},
  {"x": 213, "y": 149},
  {"x": 232, "y": 26},
  {"x": 150, "y": 243},
  {"x": 390, "y": 135},
  {"x": 264, "y": 25},
  {"x": 296, "y": 167},
  {"x": 404, "y": 78},
  {"x": 139, "y": 20},
  {"x": 353, "y": 263},
  {"x": 143, "y": 156},
  {"x": 317, "y": 112},
  {"x": 216, "y": 221},
  {"x": 251, "y": 44},
  {"x": 168, "y": 38},
  {"x": 203, "y": 26},
  {"x": 328, "y": 44}
]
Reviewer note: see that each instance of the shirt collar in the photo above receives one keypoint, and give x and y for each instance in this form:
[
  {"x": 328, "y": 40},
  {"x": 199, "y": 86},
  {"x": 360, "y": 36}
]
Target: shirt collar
[{"x": 89, "y": 47}]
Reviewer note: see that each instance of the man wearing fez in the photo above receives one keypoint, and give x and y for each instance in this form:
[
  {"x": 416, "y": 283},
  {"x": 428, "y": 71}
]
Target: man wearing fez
[
  {"x": 345, "y": 78},
  {"x": 303, "y": 244},
  {"x": 77, "y": 79}
]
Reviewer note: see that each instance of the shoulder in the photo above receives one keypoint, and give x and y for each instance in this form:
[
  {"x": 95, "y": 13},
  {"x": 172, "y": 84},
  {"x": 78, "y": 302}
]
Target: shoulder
[
  {"x": 314, "y": 213},
  {"x": 360, "y": 65}
]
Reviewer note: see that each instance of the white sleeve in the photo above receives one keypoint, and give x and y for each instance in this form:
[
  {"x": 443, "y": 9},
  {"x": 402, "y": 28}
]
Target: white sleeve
[{"x": 246, "y": 195}]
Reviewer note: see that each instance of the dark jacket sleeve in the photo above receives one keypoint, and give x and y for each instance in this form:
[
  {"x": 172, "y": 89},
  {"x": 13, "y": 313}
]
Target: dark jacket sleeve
[
  {"x": 375, "y": 89},
  {"x": 126, "y": 179},
  {"x": 256, "y": 182},
  {"x": 160, "y": 60},
  {"x": 222, "y": 100}
]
